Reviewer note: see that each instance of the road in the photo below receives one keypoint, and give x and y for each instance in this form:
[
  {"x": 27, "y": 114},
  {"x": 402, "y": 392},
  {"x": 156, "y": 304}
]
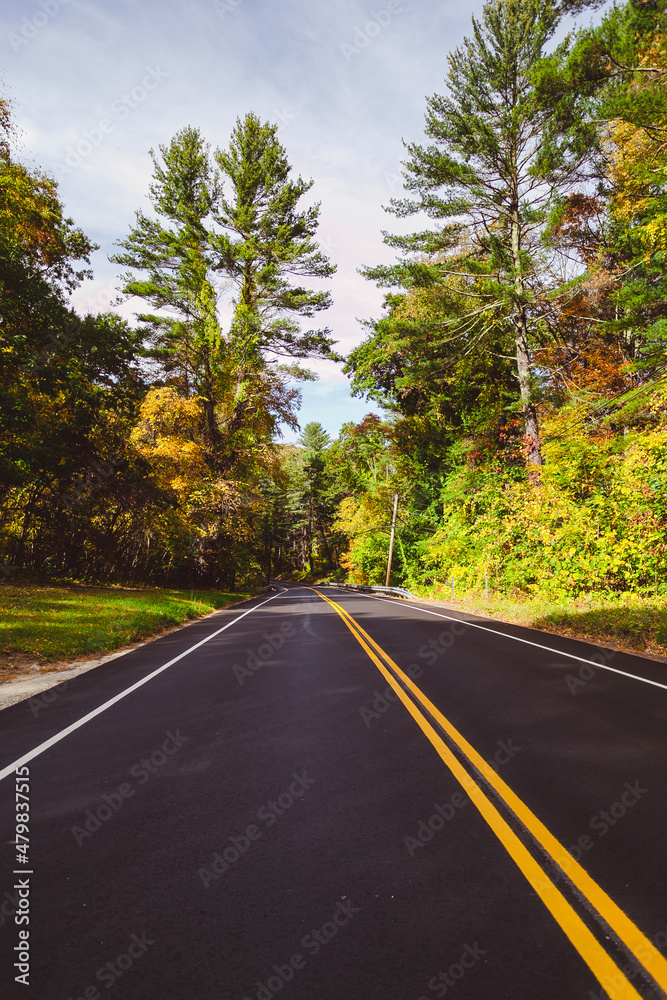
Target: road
[{"x": 320, "y": 794}]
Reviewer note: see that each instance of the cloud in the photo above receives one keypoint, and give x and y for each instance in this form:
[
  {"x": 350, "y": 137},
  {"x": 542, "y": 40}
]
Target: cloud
[{"x": 95, "y": 86}]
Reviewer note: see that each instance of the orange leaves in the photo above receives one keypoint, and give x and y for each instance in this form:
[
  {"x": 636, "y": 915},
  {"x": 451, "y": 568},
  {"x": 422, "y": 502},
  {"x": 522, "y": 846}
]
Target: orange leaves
[
  {"x": 580, "y": 224},
  {"x": 593, "y": 366}
]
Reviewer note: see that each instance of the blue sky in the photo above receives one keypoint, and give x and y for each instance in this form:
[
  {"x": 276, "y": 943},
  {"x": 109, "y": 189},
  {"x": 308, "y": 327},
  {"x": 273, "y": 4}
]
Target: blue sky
[{"x": 95, "y": 86}]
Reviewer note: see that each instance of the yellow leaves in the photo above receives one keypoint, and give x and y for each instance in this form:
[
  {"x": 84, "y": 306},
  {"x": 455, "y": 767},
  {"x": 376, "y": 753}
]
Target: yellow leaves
[
  {"x": 365, "y": 520},
  {"x": 638, "y": 162},
  {"x": 656, "y": 233},
  {"x": 164, "y": 411},
  {"x": 630, "y": 148},
  {"x": 596, "y": 520},
  {"x": 167, "y": 438},
  {"x": 30, "y": 214},
  {"x": 356, "y": 515}
]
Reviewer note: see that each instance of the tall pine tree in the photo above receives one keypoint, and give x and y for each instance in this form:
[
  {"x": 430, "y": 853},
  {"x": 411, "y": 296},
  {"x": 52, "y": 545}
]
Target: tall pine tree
[
  {"x": 497, "y": 161},
  {"x": 234, "y": 223}
]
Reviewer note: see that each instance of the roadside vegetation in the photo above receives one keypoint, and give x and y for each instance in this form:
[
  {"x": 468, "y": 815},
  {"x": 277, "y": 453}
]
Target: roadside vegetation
[
  {"x": 520, "y": 361},
  {"x": 624, "y": 620},
  {"x": 51, "y": 624}
]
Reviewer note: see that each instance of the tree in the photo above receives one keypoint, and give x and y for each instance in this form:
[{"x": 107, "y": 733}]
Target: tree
[
  {"x": 59, "y": 374},
  {"x": 41, "y": 258},
  {"x": 497, "y": 161},
  {"x": 175, "y": 274},
  {"x": 315, "y": 497},
  {"x": 264, "y": 241},
  {"x": 611, "y": 321},
  {"x": 236, "y": 227},
  {"x": 441, "y": 394}
]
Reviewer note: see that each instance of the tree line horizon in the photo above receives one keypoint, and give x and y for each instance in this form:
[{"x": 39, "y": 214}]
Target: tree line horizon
[{"x": 519, "y": 361}]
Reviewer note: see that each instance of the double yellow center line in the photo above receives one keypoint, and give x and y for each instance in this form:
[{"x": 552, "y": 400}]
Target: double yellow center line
[{"x": 614, "y": 981}]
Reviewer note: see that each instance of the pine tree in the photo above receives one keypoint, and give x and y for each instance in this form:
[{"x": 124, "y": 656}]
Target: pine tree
[
  {"x": 619, "y": 70},
  {"x": 173, "y": 258},
  {"x": 236, "y": 227},
  {"x": 497, "y": 161},
  {"x": 264, "y": 241}
]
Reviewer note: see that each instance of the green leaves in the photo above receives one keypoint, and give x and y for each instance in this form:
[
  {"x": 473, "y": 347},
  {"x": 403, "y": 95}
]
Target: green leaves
[
  {"x": 234, "y": 220},
  {"x": 264, "y": 240},
  {"x": 498, "y": 159}
]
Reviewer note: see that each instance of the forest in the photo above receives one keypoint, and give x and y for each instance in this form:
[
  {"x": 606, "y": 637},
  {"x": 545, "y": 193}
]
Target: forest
[{"x": 519, "y": 363}]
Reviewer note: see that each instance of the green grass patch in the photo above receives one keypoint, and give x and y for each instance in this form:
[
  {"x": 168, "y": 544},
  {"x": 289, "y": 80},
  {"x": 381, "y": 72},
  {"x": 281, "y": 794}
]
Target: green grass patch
[
  {"x": 642, "y": 628},
  {"x": 630, "y": 621},
  {"x": 63, "y": 622}
]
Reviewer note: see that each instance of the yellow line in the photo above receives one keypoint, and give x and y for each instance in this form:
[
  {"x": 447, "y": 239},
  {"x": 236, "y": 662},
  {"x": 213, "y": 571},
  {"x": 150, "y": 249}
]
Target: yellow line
[{"x": 603, "y": 967}]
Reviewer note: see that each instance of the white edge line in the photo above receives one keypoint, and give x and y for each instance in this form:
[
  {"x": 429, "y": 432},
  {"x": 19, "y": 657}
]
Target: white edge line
[
  {"x": 506, "y": 635},
  {"x": 118, "y": 697}
]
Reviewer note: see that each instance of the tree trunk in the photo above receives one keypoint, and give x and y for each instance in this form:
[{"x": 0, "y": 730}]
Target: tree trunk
[
  {"x": 529, "y": 409},
  {"x": 327, "y": 548},
  {"x": 20, "y": 549},
  {"x": 532, "y": 430}
]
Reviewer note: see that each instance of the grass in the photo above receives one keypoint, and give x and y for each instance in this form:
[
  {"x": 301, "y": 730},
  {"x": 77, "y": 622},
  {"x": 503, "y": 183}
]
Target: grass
[
  {"x": 634, "y": 622},
  {"x": 52, "y": 623},
  {"x": 60, "y": 623}
]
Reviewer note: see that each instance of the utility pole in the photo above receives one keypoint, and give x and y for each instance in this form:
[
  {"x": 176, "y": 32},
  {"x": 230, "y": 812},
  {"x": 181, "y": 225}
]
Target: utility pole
[
  {"x": 391, "y": 538},
  {"x": 268, "y": 536}
]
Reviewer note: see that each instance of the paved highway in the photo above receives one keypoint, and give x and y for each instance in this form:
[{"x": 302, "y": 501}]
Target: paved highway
[{"x": 320, "y": 794}]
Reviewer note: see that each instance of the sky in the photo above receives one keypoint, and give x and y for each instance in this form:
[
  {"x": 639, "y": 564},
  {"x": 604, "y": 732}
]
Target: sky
[{"x": 95, "y": 86}]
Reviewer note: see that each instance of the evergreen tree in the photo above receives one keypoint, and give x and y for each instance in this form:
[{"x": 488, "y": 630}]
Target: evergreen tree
[
  {"x": 264, "y": 241},
  {"x": 173, "y": 259},
  {"x": 237, "y": 227},
  {"x": 497, "y": 160},
  {"x": 315, "y": 497}
]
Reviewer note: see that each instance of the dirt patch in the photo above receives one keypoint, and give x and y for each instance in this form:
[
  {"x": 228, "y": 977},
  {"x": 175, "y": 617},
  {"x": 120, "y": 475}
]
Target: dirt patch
[{"x": 15, "y": 666}]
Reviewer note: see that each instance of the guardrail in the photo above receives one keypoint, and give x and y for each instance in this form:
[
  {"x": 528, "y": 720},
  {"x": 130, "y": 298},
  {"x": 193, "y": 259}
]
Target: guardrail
[{"x": 365, "y": 588}]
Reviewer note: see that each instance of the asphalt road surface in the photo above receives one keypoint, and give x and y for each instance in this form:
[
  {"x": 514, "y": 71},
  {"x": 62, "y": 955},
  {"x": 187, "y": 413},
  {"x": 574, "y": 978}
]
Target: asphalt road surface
[{"x": 318, "y": 794}]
